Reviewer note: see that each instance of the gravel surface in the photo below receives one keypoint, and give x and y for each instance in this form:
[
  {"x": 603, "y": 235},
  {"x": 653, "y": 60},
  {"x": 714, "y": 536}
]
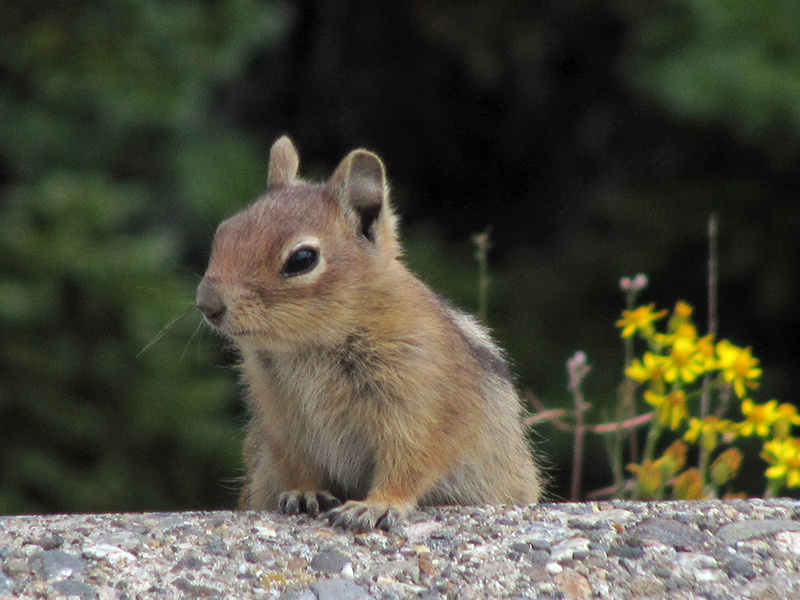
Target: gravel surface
[{"x": 619, "y": 550}]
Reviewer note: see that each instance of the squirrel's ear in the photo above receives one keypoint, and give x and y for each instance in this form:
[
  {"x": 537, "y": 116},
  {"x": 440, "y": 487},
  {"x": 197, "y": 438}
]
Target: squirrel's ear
[
  {"x": 283, "y": 163},
  {"x": 359, "y": 185}
]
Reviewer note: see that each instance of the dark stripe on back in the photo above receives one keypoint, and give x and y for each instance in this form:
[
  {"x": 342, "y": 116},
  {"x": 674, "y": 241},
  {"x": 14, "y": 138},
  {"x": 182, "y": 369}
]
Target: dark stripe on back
[{"x": 487, "y": 356}]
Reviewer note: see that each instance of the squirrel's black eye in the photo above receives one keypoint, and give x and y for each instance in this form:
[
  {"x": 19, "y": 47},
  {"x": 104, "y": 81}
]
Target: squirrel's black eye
[{"x": 301, "y": 261}]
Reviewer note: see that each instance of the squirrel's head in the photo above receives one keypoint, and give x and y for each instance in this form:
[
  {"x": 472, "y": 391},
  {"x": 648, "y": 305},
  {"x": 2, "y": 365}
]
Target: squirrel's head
[{"x": 293, "y": 266}]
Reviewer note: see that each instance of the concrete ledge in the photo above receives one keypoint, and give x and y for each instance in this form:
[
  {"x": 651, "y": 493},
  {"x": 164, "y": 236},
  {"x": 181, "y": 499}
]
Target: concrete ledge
[{"x": 618, "y": 550}]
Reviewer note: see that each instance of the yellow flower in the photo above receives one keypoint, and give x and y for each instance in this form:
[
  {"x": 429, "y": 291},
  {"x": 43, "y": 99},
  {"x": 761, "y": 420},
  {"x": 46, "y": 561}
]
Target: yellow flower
[
  {"x": 786, "y": 416},
  {"x": 676, "y": 330},
  {"x": 651, "y": 368},
  {"x": 671, "y": 408},
  {"x": 708, "y": 431},
  {"x": 673, "y": 459},
  {"x": 738, "y": 366},
  {"x": 725, "y": 466},
  {"x": 695, "y": 429},
  {"x": 684, "y": 362},
  {"x": 686, "y": 331},
  {"x": 760, "y": 417},
  {"x": 648, "y": 479},
  {"x": 681, "y": 315},
  {"x": 784, "y": 456},
  {"x": 688, "y": 485},
  {"x": 640, "y": 319},
  {"x": 683, "y": 310},
  {"x": 705, "y": 352}
]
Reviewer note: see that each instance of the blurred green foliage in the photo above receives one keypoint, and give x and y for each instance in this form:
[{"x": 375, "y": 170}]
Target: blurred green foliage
[
  {"x": 115, "y": 164},
  {"x": 734, "y": 63},
  {"x": 89, "y": 421}
]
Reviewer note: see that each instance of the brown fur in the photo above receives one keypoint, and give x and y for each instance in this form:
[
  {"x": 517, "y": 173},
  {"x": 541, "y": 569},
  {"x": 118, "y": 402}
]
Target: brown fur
[{"x": 364, "y": 386}]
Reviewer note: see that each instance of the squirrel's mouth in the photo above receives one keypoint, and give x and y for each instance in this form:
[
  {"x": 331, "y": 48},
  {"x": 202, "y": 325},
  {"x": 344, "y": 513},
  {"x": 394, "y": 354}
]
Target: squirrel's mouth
[
  {"x": 244, "y": 333},
  {"x": 235, "y": 332}
]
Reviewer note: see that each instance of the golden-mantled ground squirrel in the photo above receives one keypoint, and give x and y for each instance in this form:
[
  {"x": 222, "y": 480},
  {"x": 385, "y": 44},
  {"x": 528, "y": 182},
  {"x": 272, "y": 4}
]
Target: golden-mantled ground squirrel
[{"x": 369, "y": 394}]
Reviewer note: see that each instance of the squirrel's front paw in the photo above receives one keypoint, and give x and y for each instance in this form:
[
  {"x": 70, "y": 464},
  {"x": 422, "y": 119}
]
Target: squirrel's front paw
[
  {"x": 364, "y": 516},
  {"x": 295, "y": 502}
]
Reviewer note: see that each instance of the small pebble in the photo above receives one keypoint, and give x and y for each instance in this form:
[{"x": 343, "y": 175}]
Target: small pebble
[
  {"x": 745, "y": 530},
  {"x": 6, "y": 584},
  {"x": 662, "y": 572},
  {"x": 740, "y": 566},
  {"x": 72, "y": 588},
  {"x": 297, "y": 564},
  {"x": 329, "y": 561},
  {"x": 50, "y": 542},
  {"x": 706, "y": 575},
  {"x": 540, "y": 544},
  {"x": 58, "y": 564},
  {"x": 111, "y": 554},
  {"x": 583, "y": 525},
  {"x": 630, "y": 552},
  {"x": 788, "y": 541},
  {"x": 693, "y": 561},
  {"x": 573, "y": 585},
  {"x": 553, "y": 568},
  {"x": 566, "y": 549},
  {"x": 339, "y": 589},
  {"x": 669, "y": 532},
  {"x": 16, "y": 567},
  {"x": 217, "y": 546},
  {"x": 647, "y": 587},
  {"x": 538, "y": 557}
]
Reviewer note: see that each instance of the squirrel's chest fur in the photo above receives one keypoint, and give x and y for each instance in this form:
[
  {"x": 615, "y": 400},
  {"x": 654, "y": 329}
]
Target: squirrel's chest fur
[{"x": 331, "y": 403}]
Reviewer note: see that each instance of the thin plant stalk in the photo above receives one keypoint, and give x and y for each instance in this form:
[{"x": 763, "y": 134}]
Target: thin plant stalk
[
  {"x": 627, "y": 424},
  {"x": 628, "y": 404},
  {"x": 578, "y": 368},
  {"x": 483, "y": 243},
  {"x": 609, "y": 491},
  {"x": 626, "y": 409},
  {"x": 554, "y": 416},
  {"x": 773, "y": 489},
  {"x": 577, "y": 456},
  {"x": 713, "y": 299}
]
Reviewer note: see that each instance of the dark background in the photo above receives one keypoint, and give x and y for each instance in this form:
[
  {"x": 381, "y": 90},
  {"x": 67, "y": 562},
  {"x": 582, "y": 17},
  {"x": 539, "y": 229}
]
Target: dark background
[{"x": 596, "y": 137}]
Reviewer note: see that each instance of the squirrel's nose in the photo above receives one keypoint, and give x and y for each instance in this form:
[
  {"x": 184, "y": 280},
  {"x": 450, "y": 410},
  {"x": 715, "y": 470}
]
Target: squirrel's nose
[{"x": 210, "y": 302}]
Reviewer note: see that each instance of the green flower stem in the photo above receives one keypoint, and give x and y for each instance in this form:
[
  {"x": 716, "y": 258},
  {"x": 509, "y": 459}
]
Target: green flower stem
[
  {"x": 653, "y": 434},
  {"x": 617, "y": 464},
  {"x": 773, "y": 488},
  {"x": 724, "y": 398},
  {"x": 703, "y": 464},
  {"x": 627, "y": 408},
  {"x": 613, "y": 446}
]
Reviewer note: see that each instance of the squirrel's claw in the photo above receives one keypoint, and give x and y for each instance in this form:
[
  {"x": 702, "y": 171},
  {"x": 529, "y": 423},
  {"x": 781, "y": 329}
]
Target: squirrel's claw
[
  {"x": 295, "y": 502},
  {"x": 362, "y": 517}
]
